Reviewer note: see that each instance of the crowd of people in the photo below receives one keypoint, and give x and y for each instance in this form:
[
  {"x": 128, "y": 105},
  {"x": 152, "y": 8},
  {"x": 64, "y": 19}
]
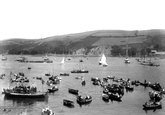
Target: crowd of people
[{"x": 25, "y": 89}]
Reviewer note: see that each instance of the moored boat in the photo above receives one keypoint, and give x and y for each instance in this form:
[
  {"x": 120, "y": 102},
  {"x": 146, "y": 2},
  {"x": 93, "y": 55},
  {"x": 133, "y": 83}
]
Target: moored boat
[
  {"x": 68, "y": 103},
  {"x": 110, "y": 77},
  {"x": 152, "y": 105},
  {"x": 2, "y": 76},
  {"x": 23, "y": 91},
  {"x": 129, "y": 88},
  {"x": 114, "y": 96},
  {"x": 4, "y": 58},
  {"x": 73, "y": 91},
  {"x": 79, "y": 71},
  {"x": 147, "y": 63},
  {"x": 155, "y": 96},
  {"x": 64, "y": 74},
  {"x": 105, "y": 97},
  {"x": 9, "y": 92},
  {"x": 52, "y": 88},
  {"x": 84, "y": 100},
  {"x": 127, "y": 61},
  {"x": 81, "y": 60},
  {"x": 47, "y": 74}
]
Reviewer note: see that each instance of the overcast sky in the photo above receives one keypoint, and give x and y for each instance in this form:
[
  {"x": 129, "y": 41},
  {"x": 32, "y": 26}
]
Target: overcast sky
[{"x": 43, "y": 18}]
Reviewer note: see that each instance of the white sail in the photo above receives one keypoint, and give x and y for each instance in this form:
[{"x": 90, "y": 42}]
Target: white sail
[
  {"x": 46, "y": 58},
  {"x": 103, "y": 60},
  {"x": 126, "y": 59},
  {"x": 63, "y": 60}
]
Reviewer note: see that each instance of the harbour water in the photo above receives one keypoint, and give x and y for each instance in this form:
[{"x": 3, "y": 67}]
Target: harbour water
[{"x": 131, "y": 101}]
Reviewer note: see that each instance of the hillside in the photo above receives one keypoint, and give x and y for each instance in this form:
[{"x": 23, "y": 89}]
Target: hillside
[{"x": 92, "y": 41}]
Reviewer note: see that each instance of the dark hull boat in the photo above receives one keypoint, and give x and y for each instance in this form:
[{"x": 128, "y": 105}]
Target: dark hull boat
[
  {"x": 147, "y": 63},
  {"x": 114, "y": 96},
  {"x": 145, "y": 84},
  {"x": 81, "y": 60},
  {"x": 105, "y": 97},
  {"x": 68, "y": 103},
  {"x": 52, "y": 89},
  {"x": 64, "y": 74},
  {"x": 47, "y": 74},
  {"x": 79, "y": 71},
  {"x": 129, "y": 88},
  {"x": 152, "y": 105},
  {"x": 84, "y": 100},
  {"x": 10, "y": 93},
  {"x": 127, "y": 61},
  {"x": 73, "y": 91}
]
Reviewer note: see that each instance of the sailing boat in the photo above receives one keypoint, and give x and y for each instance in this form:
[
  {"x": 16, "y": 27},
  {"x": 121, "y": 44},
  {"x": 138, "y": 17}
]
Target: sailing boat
[
  {"x": 46, "y": 58},
  {"x": 147, "y": 62},
  {"x": 103, "y": 61},
  {"x": 126, "y": 59},
  {"x": 80, "y": 70},
  {"x": 4, "y": 58},
  {"x": 63, "y": 61}
]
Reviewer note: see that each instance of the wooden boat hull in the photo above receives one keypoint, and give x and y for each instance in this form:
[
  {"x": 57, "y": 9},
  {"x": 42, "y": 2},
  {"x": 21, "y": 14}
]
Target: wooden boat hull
[
  {"x": 35, "y": 95},
  {"x": 79, "y": 71},
  {"x": 64, "y": 74},
  {"x": 129, "y": 88},
  {"x": 52, "y": 90},
  {"x": 68, "y": 103},
  {"x": 115, "y": 97},
  {"x": 105, "y": 97},
  {"x": 152, "y": 107},
  {"x": 84, "y": 101},
  {"x": 73, "y": 91}
]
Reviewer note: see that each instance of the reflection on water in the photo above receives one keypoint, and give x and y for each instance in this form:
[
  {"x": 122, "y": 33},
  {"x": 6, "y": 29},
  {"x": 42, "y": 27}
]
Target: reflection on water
[
  {"x": 24, "y": 101},
  {"x": 131, "y": 103}
]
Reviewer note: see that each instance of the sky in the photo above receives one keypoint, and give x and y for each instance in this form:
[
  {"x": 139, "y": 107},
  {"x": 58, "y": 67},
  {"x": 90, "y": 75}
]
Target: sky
[{"x": 33, "y": 19}]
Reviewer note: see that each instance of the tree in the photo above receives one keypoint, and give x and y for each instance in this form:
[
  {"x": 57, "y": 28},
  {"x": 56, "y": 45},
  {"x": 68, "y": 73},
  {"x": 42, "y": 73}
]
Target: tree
[
  {"x": 116, "y": 50},
  {"x": 132, "y": 51},
  {"x": 34, "y": 52}
]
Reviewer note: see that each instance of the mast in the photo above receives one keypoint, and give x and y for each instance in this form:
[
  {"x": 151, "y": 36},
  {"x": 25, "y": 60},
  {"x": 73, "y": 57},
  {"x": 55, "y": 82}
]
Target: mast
[
  {"x": 126, "y": 48},
  {"x": 10, "y": 79}
]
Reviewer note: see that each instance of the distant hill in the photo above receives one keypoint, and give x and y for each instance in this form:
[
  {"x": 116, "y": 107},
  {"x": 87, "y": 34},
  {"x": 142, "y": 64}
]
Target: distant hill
[{"x": 90, "y": 41}]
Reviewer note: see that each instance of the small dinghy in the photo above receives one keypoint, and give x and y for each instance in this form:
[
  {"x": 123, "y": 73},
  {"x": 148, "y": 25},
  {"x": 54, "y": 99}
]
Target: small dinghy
[
  {"x": 73, "y": 91},
  {"x": 105, "y": 97},
  {"x": 68, "y": 103},
  {"x": 64, "y": 74},
  {"x": 84, "y": 100},
  {"x": 114, "y": 96},
  {"x": 152, "y": 105},
  {"x": 53, "y": 89},
  {"x": 129, "y": 88}
]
